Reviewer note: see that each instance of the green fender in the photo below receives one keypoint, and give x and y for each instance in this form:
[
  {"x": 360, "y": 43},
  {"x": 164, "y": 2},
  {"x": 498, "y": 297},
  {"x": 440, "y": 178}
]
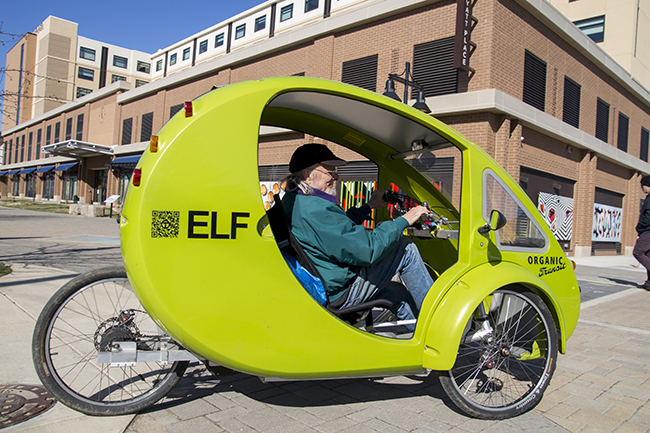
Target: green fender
[{"x": 447, "y": 323}]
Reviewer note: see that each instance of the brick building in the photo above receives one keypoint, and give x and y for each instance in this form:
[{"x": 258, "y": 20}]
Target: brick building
[{"x": 539, "y": 96}]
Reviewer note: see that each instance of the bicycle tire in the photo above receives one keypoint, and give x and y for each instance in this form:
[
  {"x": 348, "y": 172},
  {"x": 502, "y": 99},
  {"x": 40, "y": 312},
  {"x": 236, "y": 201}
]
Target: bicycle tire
[
  {"x": 505, "y": 373},
  {"x": 80, "y": 318}
]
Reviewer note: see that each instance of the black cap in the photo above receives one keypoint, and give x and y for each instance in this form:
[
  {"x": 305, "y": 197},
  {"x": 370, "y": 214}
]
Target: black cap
[
  {"x": 310, "y": 154},
  {"x": 645, "y": 180}
]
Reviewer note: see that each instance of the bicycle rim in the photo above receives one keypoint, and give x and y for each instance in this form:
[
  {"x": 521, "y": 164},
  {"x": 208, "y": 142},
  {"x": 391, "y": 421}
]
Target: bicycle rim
[
  {"x": 89, "y": 319},
  {"x": 510, "y": 369}
]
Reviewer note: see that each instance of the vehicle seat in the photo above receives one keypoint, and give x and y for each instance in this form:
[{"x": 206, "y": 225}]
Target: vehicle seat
[{"x": 289, "y": 246}]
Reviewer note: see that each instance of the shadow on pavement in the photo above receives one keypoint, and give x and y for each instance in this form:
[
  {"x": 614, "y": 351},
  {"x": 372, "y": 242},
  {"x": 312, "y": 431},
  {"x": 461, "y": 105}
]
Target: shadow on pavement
[{"x": 198, "y": 383}]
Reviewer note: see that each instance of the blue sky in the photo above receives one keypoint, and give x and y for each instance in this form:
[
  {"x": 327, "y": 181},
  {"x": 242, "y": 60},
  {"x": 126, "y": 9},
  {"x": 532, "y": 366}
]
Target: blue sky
[{"x": 139, "y": 25}]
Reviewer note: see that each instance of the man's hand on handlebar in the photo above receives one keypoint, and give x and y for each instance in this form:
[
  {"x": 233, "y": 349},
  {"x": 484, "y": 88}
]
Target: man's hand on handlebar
[{"x": 414, "y": 214}]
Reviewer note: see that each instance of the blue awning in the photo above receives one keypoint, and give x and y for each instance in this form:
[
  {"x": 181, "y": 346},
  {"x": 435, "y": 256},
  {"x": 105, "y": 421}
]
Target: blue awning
[
  {"x": 45, "y": 168},
  {"x": 125, "y": 162},
  {"x": 12, "y": 172},
  {"x": 3, "y": 172},
  {"x": 28, "y": 170},
  {"x": 64, "y": 167}
]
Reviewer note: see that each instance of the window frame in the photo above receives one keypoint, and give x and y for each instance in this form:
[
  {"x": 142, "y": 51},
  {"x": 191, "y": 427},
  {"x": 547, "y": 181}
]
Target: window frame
[
  {"x": 86, "y": 73},
  {"x": 146, "y": 66},
  {"x": 240, "y": 28},
  {"x": 159, "y": 65},
  {"x": 203, "y": 46},
  {"x": 186, "y": 53},
  {"x": 117, "y": 61},
  {"x": 219, "y": 40},
  {"x": 284, "y": 10},
  {"x": 85, "y": 51},
  {"x": 172, "y": 59},
  {"x": 115, "y": 77},
  {"x": 311, "y": 5},
  {"x": 260, "y": 23},
  {"x": 589, "y": 24}
]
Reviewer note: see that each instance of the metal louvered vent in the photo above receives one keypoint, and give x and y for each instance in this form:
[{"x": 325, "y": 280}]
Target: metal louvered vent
[
  {"x": 623, "y": 129},
  {"x": 361, "y": 72},
  {"x": 147, "y": 127},
  {"x": 175, "y": 109},
  {"x": 534, "y": 81},
  {"x": 433, "y": 67},
  {"x": 571, "y": 110},
  {"x": 127, "y": 126},
  {"x": 602, "y": 120}
]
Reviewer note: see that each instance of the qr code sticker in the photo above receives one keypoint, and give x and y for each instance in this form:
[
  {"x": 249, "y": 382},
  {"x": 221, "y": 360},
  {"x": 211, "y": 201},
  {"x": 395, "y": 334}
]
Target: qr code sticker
[{"x": 165, "y": 224}]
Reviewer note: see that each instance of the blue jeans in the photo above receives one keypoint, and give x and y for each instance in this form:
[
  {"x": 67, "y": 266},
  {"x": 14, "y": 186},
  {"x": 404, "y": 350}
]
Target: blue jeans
[{"x": 373, "y": 281}]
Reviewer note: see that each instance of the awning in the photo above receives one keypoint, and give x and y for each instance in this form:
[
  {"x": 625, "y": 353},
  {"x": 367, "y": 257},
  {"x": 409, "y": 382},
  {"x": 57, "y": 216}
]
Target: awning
[
  {"x": 77, "y": 149},
  {"x": 124, "y": 162},
  {"x": 45, "y": 168},
  {"x": 63, "y": 167},
  {"x": 12, "y": 172},
  {"x": 2, "y": 173},
  {"x": 28, "y": 170}
]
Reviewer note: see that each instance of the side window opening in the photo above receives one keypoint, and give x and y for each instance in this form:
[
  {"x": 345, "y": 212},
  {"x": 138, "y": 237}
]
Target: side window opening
[{"x": 521, "y": 232}]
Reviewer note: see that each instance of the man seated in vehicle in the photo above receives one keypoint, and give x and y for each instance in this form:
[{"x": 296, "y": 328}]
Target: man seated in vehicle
[{"x": 356, "y": 264}]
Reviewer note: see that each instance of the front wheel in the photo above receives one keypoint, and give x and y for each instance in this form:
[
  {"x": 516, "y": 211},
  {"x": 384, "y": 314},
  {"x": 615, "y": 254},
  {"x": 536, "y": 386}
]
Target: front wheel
[
  {"x": 506, "y": 358},
  {"x": 89, "y": 314}
]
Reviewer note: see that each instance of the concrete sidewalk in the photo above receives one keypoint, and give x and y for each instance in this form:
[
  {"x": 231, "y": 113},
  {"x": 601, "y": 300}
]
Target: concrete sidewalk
[
  {"x": 602, "y": 384},
  {"x": 23, "y": 293}
]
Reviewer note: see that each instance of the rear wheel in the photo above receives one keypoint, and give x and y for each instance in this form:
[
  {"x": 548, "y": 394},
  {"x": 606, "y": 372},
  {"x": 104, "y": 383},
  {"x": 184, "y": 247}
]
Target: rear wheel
[
  {"x": 90, "y": 314},
  {"x": 506, "y": 359}
]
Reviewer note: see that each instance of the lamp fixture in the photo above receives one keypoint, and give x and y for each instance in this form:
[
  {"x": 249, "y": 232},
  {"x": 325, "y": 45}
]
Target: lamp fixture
[{"x": 408, "y": 81}]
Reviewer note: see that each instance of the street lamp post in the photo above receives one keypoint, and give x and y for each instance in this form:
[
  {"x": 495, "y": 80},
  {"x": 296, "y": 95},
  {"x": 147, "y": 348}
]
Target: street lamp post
[{"x": 408, "y": 81}]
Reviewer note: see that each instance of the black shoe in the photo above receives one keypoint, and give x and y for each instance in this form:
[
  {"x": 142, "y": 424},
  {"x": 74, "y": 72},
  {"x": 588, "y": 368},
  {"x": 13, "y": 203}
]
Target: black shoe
[{"x": 645, "y": 286}]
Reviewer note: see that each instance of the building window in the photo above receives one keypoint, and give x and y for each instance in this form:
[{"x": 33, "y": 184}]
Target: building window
[
  {"x": 147, "y": 127},
  {"x": 175, "y": 109},
  {"x": 139, "y": 83},
  {"x": 186, "y": 53},
  {"x": 29, "y": 146},
  {"x": 86, "y": 74},
  {"x": 87, "y": 53},
  {"x": 115, "y": 78},
  {"x": 286, "y": 13},
  {"x": 172, "y": 59},
  {"x": 203, "y": 46},
  {"x": 120, "y": 62},
  {"x": 310, "y": 5},
  {"x": 218, "y": 40},
  {"x": 22, "y": 149},
  {"x": 143, "y": 66},
  {"x": 433, "y": 67},
  {"x": 68, "y": 128},
  {"x": 39, "y": 135},
  {"x": 361, "y": 72},
  {"x": 534, "y": 81},
  {"x": 602, "y": 120},
  {"x": 158, "y": 65},
  {"x": 48, "y": 135},
  {"x": 240, "y": 31},
  {"x": 260, "y": 23},
  {"x": 127, "y": 126},
  {"x": 80, "y": 127},
  {"x": 571, "y": 110},
  {"x": 82, "y": 92},
  {"x": 645, "y": 135},
  {"x": 593, "y": 27},
  {"x": 623, "y": 130}
]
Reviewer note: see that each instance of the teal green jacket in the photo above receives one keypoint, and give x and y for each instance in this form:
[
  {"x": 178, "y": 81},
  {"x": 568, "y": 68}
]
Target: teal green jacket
[{"x": 336, "y": 241}]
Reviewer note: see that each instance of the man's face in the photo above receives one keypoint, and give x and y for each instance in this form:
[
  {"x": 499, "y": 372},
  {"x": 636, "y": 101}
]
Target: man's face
[{"x": 323, "y": 177}]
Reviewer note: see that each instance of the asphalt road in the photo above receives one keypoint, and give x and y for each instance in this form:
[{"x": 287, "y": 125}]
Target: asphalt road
[{"x": 73, "y": 243}]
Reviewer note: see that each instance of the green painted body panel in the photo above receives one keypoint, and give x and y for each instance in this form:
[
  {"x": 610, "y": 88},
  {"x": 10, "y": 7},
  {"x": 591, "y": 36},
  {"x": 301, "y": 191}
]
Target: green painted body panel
[{"x": 220, "y": 286}]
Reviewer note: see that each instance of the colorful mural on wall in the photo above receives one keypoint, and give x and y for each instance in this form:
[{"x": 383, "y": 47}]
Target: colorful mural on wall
[
  {"x": 558, "y": 213},
  {"x": 607, "y": 223}
]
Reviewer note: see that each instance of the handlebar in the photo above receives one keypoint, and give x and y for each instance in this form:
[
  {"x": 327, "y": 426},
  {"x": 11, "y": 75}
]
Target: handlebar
[{"x": 430, "y": 222}]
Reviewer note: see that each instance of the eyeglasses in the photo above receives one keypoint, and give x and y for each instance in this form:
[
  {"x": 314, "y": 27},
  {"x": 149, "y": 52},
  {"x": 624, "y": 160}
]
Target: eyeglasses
[{"x": 334, "y": 173}]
